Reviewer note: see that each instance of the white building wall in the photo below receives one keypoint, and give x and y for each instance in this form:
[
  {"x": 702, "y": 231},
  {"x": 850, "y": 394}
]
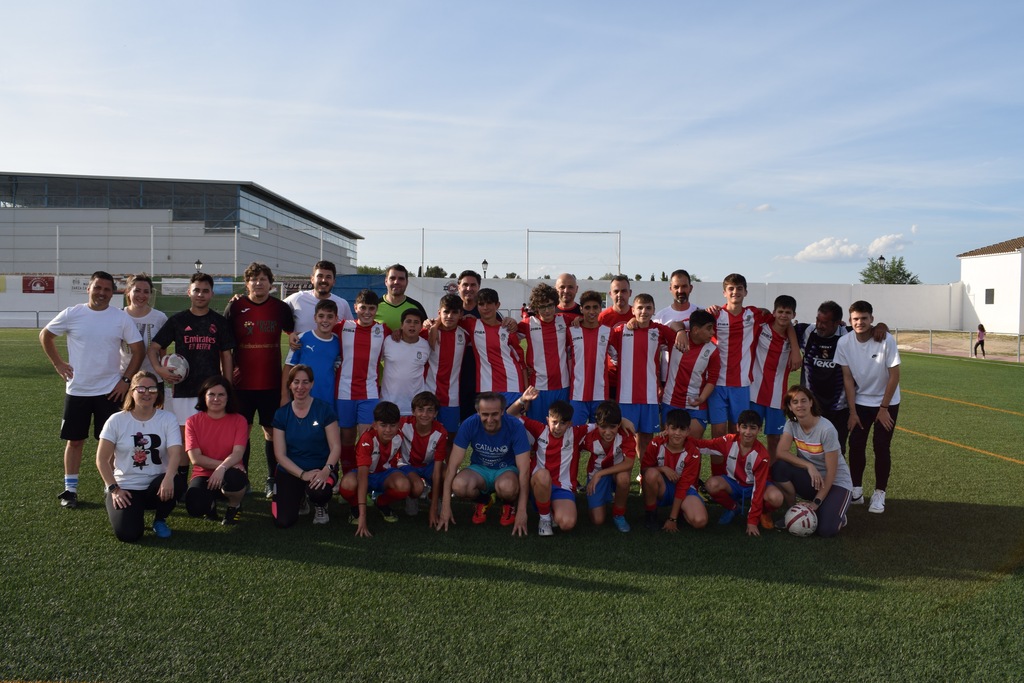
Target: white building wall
[{"x": 1002, "y": 273}]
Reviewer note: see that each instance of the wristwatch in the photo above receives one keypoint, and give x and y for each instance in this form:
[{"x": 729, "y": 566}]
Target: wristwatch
[
  {"x": 817, "y": 501},
  {"x": 126, "y": 380},
  {"x": 112, "y": 487}
]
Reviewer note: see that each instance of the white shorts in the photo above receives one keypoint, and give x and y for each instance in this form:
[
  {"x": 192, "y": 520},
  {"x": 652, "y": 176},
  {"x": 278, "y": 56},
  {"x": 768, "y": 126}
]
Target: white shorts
[{"x": 183, "y": 408}]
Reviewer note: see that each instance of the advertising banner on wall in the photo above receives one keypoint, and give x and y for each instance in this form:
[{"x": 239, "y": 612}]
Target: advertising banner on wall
[{"x": 37, "y": 284}]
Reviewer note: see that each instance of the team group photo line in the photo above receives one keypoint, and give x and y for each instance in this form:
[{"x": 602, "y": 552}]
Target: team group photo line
[{"x": 380, "y": 402}]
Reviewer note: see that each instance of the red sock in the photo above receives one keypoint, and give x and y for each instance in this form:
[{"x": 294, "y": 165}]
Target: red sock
[
  {"x": 618, "y": 512},
  {"x": 724, "y": 499},
  {"x": 348, "y": 458},
  {"x": 350, "y": 496},
  {"x": 544, "y": 508},
  {"x": 389, "y": 497}
]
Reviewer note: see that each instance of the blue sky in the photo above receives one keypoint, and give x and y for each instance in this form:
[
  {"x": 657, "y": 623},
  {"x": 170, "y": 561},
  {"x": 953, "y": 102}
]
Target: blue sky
[{"x": 788, "y": 141}]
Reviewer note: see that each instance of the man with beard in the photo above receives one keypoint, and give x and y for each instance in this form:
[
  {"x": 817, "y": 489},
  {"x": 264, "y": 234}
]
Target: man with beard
[
  {"x": 303, "y": 304},
  {"x": 395, "y": 302}
]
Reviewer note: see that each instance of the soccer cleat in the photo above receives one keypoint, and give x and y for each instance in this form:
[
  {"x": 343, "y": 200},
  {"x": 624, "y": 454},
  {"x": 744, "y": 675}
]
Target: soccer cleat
[
  {"x": 766, "y": 521},
  {"x": 161, "y": 529},
  {"x": 68, "y": 499},
  {"x": 651, "y": 521},
  {"x": 304, "y": 506},
  {"x": 877, "y": 502},
  {"x": 857, "y": 495},
  {"x": 508, "y": 515},
  {"x": 480, "y": 511},
  {"x": 320, "y": 514},
  {"x": 544, "y": 527},
  {"x": 780, "y": 524},
  {"x": 353, "y": 519},
  {"x": 270, "y": 489},
  {"x": 211, "y": 514},
  {"x": 620, "y": 523},
  {"x": 728, "y": 516},
  {"x": 387, "y": 513},
  {"x": 231, "y": 516},
  {"x": 412, "y": 506}
]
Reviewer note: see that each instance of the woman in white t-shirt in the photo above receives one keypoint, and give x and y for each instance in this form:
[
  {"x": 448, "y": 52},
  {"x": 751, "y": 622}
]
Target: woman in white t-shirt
[
  {"x": 138, "y": 295},
  {"x": 138, "y": 455},
  {"x": 817, "y": 471}
]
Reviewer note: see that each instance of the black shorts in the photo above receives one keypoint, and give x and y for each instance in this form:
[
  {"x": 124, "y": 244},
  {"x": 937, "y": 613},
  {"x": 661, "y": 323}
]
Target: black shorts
[
  {"x": 79, "y": 411},
  {"x": 265, "y": 402}
]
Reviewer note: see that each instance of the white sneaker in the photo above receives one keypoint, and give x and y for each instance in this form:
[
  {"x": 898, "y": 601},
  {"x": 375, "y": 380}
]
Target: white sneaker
[
  {"x": 857, "y": 496},
  {"x": 877, "y": 502},
  {"x": 426, "y": 492},
  {"x": 320, "y": 515},
  {"x": 544, "y": 527},
  {"x": 412, "y": 506}
]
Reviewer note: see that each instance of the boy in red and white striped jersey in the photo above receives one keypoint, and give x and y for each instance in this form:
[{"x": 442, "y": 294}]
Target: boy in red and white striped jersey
[
  {"x": 448, "y": 344},
  {"x": 499, "y": 358},
  {"x": 770, "y": 376},
  {"x": 424, "y": 449},
  {"x": 692, "y": 374},
  {"x": 547, "y": 368},
  {"x": 588, "y": 351}
]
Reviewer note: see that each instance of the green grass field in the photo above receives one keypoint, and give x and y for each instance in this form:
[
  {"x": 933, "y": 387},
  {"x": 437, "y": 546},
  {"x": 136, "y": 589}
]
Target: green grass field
[{"x": 931, "y": 590}]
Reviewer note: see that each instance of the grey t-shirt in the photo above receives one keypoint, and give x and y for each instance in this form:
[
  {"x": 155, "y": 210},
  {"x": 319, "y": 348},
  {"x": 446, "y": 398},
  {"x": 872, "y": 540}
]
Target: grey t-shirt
[{"x": 813, "y": 445}]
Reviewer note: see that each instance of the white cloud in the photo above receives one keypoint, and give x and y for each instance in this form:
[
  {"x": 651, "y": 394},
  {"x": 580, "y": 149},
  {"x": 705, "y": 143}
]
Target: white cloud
[
  {"x": 913, "y": 229},
  {"x": 831, "y": 249},
  {"x": 887, "y": 243},
  {"x": 764, "y": 207}
]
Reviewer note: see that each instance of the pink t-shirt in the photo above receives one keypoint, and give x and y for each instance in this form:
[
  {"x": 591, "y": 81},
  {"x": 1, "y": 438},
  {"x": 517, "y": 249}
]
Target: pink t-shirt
[{"x": 215, "y": 438}]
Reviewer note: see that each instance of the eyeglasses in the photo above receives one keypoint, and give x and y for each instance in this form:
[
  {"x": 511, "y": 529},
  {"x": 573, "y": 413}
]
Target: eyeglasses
[{"x": 146, "y": 390}]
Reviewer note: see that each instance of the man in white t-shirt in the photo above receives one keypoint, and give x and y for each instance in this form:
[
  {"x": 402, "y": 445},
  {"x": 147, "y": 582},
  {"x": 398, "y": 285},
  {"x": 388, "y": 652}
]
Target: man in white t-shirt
[
  {"x": 871, "y": 378},
  {"x": 303, "y": 304},
  {"x": 679, "y": 310},
  {"x": 95, "y": 386},
  {"x": 405, "y": 361}
]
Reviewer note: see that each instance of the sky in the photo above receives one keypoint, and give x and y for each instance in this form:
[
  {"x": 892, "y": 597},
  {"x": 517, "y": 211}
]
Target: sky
[{"x": 787, "y": 141}]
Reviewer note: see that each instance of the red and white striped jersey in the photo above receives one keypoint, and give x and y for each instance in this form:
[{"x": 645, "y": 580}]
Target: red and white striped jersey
[
  {"x": 445, "y": 365},
  {"x": 636, "y": 355},
  {"x": 422, "y": 449},
  {"x": 361, "y": 350},
  {"x": 588, "y": 349},
  {"x": 499, "y": 362},
  {"x": 545, "y": 352},
  {"x": 746, "y": 470},
  {"x": 603, "y": 456},
  {"x": 771, "y": 367},
  {"x": 558, "y": 455},
  {"x": 689, "y": 373},
  {"x": 378, "y": 456},
  {"x": 686, "y": 462},
  {"x": 736, "y": 338}
]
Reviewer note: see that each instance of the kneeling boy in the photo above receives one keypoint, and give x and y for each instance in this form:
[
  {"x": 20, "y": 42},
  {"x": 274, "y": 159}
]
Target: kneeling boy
[
  {"x": 612, "y": 454},
  {"x": 746, "y": 474},
  {"x": 670, "y": 467},
  {"x": 377, "y": 453}
]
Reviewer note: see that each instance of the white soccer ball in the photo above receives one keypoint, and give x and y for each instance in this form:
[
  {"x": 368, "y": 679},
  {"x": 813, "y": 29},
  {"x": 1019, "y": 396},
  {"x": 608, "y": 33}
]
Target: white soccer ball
[
  {"x": 176, "y": 364},
  {"x": 801, "y": 520}
]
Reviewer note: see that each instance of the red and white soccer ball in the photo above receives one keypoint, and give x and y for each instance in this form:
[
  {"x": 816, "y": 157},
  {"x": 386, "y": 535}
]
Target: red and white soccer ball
[
  {"x": 176, "y": 364},
  {"x": 801, "y": 520}
]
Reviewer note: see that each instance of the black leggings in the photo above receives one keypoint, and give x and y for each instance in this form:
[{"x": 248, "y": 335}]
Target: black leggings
[
  {"x": 831, "y": 511},
  {"x": 129, "y": 523},
  {"x": 290, "y": 491},
  {"x": 981, "y": 343},
  {"x": 199, "y": 498},
  {"x": 881, "y": 441}
]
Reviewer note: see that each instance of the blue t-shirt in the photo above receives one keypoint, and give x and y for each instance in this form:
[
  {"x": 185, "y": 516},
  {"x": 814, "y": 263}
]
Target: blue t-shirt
[
  {"x": 306, "y": 438},
  {"x": 493, "y": 450},
  {"x": 322, "y": 357}
]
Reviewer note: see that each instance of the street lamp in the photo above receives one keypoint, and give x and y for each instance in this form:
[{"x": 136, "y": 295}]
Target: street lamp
[
  {"x": 484, "y": 266},
  {"x": 881, "y": 263},
  {"x": 199, "y": 266}
]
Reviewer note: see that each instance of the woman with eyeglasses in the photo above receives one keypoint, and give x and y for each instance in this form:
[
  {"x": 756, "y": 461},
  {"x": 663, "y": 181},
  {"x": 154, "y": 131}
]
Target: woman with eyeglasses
[
  {"x": 138, "y": 455},
  {"x": 215, "y": 439}
]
